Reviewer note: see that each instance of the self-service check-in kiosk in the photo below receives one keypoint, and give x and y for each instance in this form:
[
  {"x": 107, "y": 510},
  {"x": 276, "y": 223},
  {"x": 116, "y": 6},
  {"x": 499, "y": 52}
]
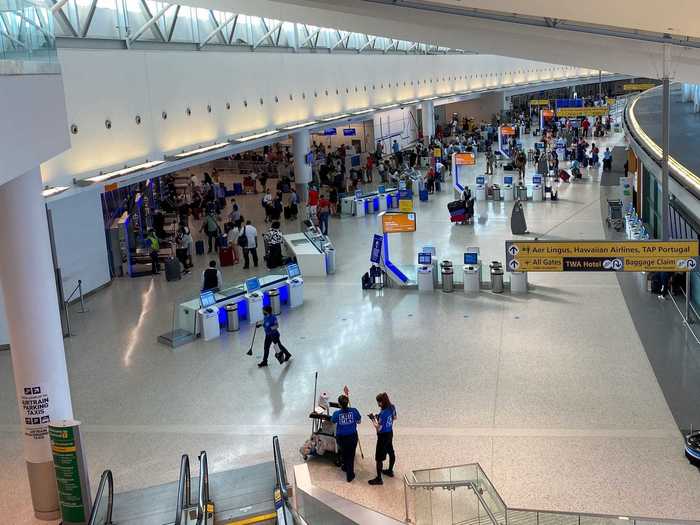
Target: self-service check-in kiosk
[
  {"x": 382, "y": 198},
  {"x": 255, "y": 300},
  {"x": 208, "y": 316},
  {"x": 360, "y": 204},
  {"x": 508, "y": 188},
  {"x": 481, "y": 188},
  {"x": 296, "y": 286},
  {"x": 425, "y": 272},
  {"x": 537, "y": 188},
  {"x": 472, "y": 271},
  {"x": 434, "y": 261}
]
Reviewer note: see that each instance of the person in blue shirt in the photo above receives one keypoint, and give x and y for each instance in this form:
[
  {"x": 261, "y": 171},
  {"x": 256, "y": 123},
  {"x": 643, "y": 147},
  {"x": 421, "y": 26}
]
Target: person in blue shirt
[
  {"x": 384, "y": 423},
  {"x": 346, "y": 420},
  {"x": 272, "y": 335}
]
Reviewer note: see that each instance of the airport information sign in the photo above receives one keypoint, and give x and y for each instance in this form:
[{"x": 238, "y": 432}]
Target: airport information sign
[
  {"x": 393, "y": 222},
  {"x": 591, "y": 111},
  {"x": 601, "y": 256},
  {"x": 638, "y": 87}
]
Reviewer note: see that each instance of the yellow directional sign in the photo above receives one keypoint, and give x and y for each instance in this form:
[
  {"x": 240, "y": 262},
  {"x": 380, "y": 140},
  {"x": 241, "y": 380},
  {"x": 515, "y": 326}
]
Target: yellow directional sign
[
  {"x": 601, "y": 256},
  {"x": 638, "y": 87},
  {"x": 539, "y": 102},
  {"x": 592, "y": 111}
]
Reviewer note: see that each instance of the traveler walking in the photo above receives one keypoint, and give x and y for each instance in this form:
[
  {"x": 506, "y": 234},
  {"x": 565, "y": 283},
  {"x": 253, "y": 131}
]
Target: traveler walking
[{"x": 211, "y": 228}]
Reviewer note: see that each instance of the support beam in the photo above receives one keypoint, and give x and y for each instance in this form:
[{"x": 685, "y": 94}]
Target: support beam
[
  {"x": 172, "y": 25},
  {"x": 62, "y": 19},
  {"x": 215, "y": 23},
  {"x": 132, "y": 38},
  {"x": 154, "y": 27},
  {"x": 218, "y": 29},
  {"x": 665, "y": 134},
  {"x": 310, "y": 37},
  {"x": 12, "y": 39},
  {"x": 267, "y": 35},
  {"x": 88, "y": 19},
  {"x": 233, "y": 30},
  {"x": 343, "y": 41},
  {"x": 32, "y": 23}
]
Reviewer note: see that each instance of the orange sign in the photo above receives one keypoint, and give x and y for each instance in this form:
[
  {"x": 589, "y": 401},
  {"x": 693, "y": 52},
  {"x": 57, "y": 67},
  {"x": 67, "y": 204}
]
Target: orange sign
[
  {"x": 398, "y": 222},
  {"x": 547, "y": 113},
  {"x": 507, "y": 130},
  {"x": 465, "y": 159},
  {"x": 111, "y": 187}
]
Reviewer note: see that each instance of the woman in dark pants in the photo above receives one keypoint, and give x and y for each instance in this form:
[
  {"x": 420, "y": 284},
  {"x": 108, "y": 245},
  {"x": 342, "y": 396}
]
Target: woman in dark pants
[
  {"x": 384, "y": 423},
  {"x": 346, "y": 420}
]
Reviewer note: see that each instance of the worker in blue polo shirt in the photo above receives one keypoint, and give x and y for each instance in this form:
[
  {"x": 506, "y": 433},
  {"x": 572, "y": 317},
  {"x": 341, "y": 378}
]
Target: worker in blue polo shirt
[
  {"x": 346, "y": 420},
  {"x": 272, "y": 335},
  {"x": 384, "y": 424}
]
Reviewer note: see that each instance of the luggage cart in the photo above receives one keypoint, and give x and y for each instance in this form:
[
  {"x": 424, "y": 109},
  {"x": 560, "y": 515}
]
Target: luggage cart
[
  {"x": 322, "y": 441},
  {"x": 615, "y": 219}
]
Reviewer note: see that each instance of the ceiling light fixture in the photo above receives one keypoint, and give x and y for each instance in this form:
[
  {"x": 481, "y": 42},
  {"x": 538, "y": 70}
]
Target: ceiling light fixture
[
  {"x": 328, "y": 119},
  {"x": 389, "y": 106},
  {"x": 124, "y": 171},
  {"x": 201, "y": 150},
  {"x": 363, "y": 112},
  {"x": 302, "y": 125},
  {"x": 257, "y": 135},
  {"x": 50, "y": 192}
]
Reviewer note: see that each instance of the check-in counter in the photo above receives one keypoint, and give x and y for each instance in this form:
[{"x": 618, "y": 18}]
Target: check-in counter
[{"x": 309, "y": 253}]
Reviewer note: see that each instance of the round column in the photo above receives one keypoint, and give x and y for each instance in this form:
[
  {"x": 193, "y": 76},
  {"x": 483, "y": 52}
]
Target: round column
[
  {"x": 301, "y": 146},
  {"x": 34, "y": 326},
  {"x": 427, "y": 120}
]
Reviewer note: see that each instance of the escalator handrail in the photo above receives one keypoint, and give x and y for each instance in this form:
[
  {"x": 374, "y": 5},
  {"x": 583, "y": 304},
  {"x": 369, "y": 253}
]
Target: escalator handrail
[
  {"x": 183, "y": 488},
  {"x": 105, "y": 481},
  {"x": 203, "y": 498},
  {"x": 280, "y": 472}
]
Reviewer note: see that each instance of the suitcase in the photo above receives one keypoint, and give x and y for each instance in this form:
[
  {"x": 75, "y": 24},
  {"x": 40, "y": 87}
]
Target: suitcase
[
  {"x": 458, "y": 218},
  {"x": 461, "y": 211},
  {"x": 423, "y": 195},
  {"x": 226, "y": 256},
  {"x": 237, "y": 188},
  {"x": 172, "y": 270},
  {"x": 222, "y": 241},
  {"x": 564, "y": 175},
  {"x": 455, "y": 205},
  {"x": 199, "y": 247}
]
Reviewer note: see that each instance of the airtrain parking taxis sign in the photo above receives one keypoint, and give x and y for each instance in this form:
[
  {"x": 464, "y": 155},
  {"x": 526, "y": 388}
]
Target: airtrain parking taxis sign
[{"x": 601, "y": 256}]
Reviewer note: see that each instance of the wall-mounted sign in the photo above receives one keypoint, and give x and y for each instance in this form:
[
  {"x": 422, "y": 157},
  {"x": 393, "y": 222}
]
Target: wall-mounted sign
[
  {"x": 507, "y": 130},
  {"x": 349, "y": 132},
  {"x": 583, "y": 112},
  {"x": 638, "y": 87},
  {"x": 465, "y": 159},
  {"x": 539, "y": 102},
  {"x": 330, "y": 131},
  {"x": 601, "y": 256},
  {"x": 398, "y": 222},
  {"x": 376, "y": 254}
]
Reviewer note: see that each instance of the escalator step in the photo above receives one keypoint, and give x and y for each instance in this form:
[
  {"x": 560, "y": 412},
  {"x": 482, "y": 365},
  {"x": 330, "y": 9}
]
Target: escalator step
[{"x": 260, "y": 519}]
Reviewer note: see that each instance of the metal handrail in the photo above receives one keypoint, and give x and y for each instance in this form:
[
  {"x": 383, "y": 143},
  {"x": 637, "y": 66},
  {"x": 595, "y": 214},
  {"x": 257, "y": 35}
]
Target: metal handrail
[
  {"x": 183, "y": 489},
  {"x": 686, "y": 321},
  {"x": 203, "y": 498},
  {"x": 105, "y": 481},
  {"x": 280, "y": 472}
]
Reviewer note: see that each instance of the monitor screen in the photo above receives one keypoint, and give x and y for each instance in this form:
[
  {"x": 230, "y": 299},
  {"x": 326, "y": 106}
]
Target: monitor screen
[
  {"x": 310, "y": 158},
  {"x": 293, "y": 271},
  {"x": 480, "y": 180},
  {"x": 330, "y": 131},
  {"x": 381, "y": 189},
  {"x": 355, "y": 161},
  {"x": 349, "y": 132},
  {"x": 471, "y": 258},
  {"x": 207, "y": 299},
  {"x": 424, "y": 258},
  {"x": 252, "y": 284},
  {"x": 508, "y": 180},
  {"x": 537, "y": 179}
]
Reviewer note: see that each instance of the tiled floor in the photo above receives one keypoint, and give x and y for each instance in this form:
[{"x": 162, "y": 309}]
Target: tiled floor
[{"x": 551, "y": 392}]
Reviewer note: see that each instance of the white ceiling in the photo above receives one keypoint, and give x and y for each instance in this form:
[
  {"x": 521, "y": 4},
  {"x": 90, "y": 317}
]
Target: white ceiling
[
  {"x": 680, "y": 17},
  {"x": 614, "y": 54}
]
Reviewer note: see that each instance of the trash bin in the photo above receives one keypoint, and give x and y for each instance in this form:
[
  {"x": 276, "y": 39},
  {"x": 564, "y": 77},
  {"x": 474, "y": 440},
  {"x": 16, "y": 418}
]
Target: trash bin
[
  {"x": 496, "y": 277},
  {"x": 522, "y": 193},
  {"x": 496, "y": 193},
  {"x": 275, "y": 302},
  {"x": 330, "y": 259},
  {"x": 448, "y": 284},
  {"x": 232, "y": 318}
]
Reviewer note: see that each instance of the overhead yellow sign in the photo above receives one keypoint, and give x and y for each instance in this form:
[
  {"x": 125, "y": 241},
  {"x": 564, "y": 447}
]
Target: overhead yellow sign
[
  {"x": 638, "y": 87},
  {"x": 542, "y": 102},
  {"x": 592, "y": 111},
  {"x": 601, "y": 256}
]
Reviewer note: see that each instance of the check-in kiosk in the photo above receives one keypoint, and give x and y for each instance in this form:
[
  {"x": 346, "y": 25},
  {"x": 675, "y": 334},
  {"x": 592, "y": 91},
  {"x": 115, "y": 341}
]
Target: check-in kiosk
[
  {"x": 208, "y": 316},
  {"x": 481, "y": 188},
  {"x": 360, "y": 204},
  {"x": 383, "y": 205},
  {"x": 472, "y": 271},
  {"x": 425, "y": 272},
  {"x": 508, "y": 190},
  {"x": 537, "y": 188},
  {"x": 296, "y": 286},
  {"x": 255, "y": 300},
  {"x": 428, "y": 248}
]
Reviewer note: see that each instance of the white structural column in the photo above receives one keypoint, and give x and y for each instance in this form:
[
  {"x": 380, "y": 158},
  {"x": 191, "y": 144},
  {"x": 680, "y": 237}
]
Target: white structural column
[
  {"x": 301, "y": 146},
  {"x": 696, "y": 98},
  {"x": 427, "y": 119},
  {"x": 36, "y": 341}
]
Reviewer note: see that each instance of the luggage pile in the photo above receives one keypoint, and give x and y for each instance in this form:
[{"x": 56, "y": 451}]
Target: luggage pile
[{"x": 458, "y": 211}]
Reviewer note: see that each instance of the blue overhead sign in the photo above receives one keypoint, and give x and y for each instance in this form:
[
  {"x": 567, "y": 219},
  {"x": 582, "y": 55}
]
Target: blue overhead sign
[
  {"x": 330, "y": 131},
  {"x": 349, "y": 132},
  {"x": 376, "y": 254}
]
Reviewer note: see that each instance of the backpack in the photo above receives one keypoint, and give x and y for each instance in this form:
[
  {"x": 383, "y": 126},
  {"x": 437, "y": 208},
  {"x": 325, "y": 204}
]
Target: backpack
[{"x": 243, "y": 239}]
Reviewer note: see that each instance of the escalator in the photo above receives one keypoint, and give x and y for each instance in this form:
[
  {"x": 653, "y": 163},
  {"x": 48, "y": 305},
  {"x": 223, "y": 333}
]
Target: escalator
[{"x": 233, "y": 497}]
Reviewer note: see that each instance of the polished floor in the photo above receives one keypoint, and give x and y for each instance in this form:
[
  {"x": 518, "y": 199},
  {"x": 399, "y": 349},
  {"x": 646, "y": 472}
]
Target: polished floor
[{"x": 552, "y": 393}]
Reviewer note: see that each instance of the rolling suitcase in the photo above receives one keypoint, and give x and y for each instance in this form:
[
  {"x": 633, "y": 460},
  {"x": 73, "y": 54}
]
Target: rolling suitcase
[
  {"x": 172, "y": 270},
  {"x": 455, "y": 205},
  {"x": 423, "y": 195},
  {"x": 458, "y": 218},
  {"x": 199, "y": 247},
  {"x": 226, "y": 256}
]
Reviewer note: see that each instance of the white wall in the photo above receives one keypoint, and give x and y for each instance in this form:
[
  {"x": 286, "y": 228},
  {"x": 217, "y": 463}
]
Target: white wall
[
  {"x": 482, "y": 108},
  {"x": 79, "y": 236},
  {"x": 120, "y": 84}
]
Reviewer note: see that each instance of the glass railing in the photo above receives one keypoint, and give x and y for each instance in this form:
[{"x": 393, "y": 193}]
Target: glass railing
[
  {"x": 101, "y": 513},
  {"x": 27, "y": 42},
  {"x": 463, "y": 495}
]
